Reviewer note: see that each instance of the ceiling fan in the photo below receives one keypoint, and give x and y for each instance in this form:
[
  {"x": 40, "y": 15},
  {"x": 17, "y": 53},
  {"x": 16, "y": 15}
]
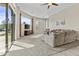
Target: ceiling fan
[{"x": 49, "y": 4}]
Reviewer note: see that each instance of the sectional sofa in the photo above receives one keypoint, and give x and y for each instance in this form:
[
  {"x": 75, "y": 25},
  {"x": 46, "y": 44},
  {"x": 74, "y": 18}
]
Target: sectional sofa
[{"x": 58, "y": 37}]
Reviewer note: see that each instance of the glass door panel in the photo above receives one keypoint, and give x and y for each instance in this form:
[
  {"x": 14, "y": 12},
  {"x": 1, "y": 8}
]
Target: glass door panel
[
  {"x": 9, "y": 27},
  {"x": 2, "y": 28},
  {"x": 13, "y": 26}
]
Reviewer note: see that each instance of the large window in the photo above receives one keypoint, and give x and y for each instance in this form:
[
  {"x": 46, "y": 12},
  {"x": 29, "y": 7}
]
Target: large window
[
  {"x": 26, "y": 22},
  {"x": 26, "y": 26}
]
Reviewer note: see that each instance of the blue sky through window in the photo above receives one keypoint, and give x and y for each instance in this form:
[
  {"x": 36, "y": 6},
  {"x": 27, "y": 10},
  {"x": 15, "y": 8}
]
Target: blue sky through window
[
  {"x": 2, "y": 14},
  {"x": 26, "y": 20}
]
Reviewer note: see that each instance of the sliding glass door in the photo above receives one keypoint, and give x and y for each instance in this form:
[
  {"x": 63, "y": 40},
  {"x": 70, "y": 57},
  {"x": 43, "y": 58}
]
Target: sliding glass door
[{"x": 7, "y": 27}]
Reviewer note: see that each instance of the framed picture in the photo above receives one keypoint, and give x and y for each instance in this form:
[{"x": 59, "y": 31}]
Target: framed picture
[{"x": 60, "y": 22}]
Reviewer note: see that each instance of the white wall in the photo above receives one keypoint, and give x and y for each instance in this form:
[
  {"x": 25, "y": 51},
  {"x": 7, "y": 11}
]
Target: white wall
[
  {"x": 39, "y": 25},
  {"x": 71, "y": 17},
  {"x": 17, "y": 25}
]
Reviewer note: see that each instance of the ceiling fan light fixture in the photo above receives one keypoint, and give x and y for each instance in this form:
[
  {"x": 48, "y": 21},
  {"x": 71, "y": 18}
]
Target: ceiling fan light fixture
[{"x": 50, "y": 4}]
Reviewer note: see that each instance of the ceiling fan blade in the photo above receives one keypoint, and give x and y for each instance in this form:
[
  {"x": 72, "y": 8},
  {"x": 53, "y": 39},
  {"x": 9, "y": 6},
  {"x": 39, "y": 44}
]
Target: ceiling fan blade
[
  {"x": 44, "y": 4},
  {"x": 55, "y": 4}
]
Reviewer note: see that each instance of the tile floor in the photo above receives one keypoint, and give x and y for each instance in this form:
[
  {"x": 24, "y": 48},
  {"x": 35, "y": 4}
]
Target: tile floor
[{"x": 33, "y": 46}]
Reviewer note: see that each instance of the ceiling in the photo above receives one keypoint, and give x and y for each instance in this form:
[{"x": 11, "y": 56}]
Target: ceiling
[{"x": 34, "y": 9}]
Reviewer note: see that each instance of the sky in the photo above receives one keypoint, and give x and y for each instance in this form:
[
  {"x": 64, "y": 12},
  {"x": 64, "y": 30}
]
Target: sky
[
  {"x": 2, "y": 16},
  {"x": 26, "y": 20}
]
